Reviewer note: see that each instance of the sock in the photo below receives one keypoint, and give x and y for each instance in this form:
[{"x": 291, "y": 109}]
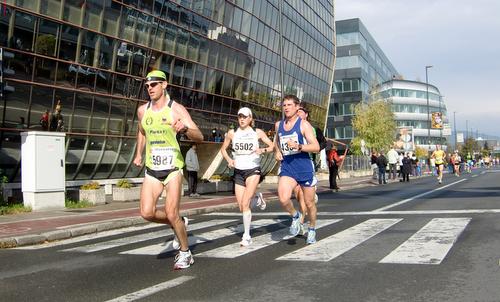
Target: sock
[
  {"x": 247, "y": 219},
  {"x": 312, "y": 229}
]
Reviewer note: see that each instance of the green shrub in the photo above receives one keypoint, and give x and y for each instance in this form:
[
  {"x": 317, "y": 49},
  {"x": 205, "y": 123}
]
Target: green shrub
[
  {"x": 75, "y": 204},
  {"x": 124, "y": 183},
  {"x": 93, "y": 185}
]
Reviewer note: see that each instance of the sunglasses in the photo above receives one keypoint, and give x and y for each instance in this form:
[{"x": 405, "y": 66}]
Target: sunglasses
[{"x": 152, "y": 85}]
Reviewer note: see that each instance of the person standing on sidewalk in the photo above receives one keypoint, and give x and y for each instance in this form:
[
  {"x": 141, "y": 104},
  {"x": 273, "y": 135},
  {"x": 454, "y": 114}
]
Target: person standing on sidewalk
[
  {"x": 192, "y": 168},
  {"x": 334, "y": 161},
  {"x": 381, "y": 164},
  {"x": 296, "y": 165},
  {"x": 246, "y": 164},
  {"x": 160, "y": 120},
  {"x": 392, "y": 158},
  {"x": 406, "y": 168}
]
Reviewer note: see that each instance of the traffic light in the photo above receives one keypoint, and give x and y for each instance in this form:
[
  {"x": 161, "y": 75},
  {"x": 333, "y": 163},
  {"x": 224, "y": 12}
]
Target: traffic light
[{"x": 5, "y": 71}]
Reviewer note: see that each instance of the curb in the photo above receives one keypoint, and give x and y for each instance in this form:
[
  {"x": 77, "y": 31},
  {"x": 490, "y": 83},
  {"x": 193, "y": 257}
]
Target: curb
[{"x": 96, "y": 227}]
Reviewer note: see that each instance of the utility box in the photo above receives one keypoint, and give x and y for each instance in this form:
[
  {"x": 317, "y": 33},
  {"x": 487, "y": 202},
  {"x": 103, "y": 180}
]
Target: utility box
[{"x": 43, "y": 169}]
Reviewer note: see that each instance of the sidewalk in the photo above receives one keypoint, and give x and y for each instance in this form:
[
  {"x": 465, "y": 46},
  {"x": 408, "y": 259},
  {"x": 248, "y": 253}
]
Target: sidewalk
[{"x": 44, "y": 226}]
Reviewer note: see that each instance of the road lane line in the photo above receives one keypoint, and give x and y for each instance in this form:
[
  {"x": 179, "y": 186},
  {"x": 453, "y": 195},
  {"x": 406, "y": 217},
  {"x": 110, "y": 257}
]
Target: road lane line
[
  {"x": 417, "y": 196},
  {"x": 331, "y": 247},
  {"x": 152, "y": 290},
  {"x": 157, "y": 249},
  {"x": 90, "y": 237},
  {"x": 95, "y": 247},
  {"x": 430, "y": 244},
  {"x": 418, "y": 212},
  {"x": 235, "y": 250}
]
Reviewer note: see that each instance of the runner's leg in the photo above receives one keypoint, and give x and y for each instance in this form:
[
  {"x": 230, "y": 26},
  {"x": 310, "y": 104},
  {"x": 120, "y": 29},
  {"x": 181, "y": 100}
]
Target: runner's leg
[{"x": 150, "y": 192}]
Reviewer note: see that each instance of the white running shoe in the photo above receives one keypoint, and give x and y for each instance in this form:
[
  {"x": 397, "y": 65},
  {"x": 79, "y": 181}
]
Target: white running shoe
[
  {"x": 295, "y": 226},
  {"x": 175, "y": 243},
  {"x": 246, "y": 241},
  {"x": 183, "y": 260},
  {"x": 261, "y": 203}
]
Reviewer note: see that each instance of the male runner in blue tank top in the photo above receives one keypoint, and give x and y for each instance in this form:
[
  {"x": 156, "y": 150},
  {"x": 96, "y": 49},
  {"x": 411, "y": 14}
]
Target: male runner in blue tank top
[{"x": 296, "y": 165}]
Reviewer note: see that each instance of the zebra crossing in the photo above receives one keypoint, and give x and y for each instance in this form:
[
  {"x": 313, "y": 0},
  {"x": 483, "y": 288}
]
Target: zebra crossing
[{"x": 428, "y": 245}]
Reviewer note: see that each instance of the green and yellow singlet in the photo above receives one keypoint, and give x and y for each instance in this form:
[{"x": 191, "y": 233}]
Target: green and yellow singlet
[{"x": 162, "y": 149}]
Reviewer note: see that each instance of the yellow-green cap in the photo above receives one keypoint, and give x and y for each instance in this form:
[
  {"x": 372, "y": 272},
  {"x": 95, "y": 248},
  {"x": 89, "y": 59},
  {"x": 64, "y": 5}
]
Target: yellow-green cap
[{"x": 156, "y": 75}]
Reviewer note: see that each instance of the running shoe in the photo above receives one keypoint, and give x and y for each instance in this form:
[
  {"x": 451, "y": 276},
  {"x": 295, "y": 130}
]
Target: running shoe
[
  {"x": 246, "y": 241},
  {"x": 260, "y": 202},
  {"x": 175, "y": 243},
  {"x": 295, "y": 226},
  {"x": 183, "y": 260},
  {"x": 311, "y": 236},
  {"x": 302, "y": 230}
]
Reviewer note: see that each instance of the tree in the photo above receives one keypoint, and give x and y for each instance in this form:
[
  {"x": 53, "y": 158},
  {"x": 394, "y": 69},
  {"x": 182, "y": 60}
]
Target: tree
[
  {"x": 470, "y": 145},
  {"x": 375, "y": 124},
  {"x": 421, "y": 152}
]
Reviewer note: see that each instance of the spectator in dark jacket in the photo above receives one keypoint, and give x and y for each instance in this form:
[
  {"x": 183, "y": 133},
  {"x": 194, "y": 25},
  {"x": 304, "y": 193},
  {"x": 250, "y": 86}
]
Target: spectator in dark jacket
[
  {"x": 406, "y": 168},
  {"x": 381, "y": 164},
  {"x": 373, "y": 162}
]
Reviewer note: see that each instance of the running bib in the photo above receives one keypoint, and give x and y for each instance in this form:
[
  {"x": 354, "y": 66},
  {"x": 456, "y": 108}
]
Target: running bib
[
  {"x": 162, "y": 158},
  {"x": 244, "y": 145},
  {"x": 284, "y": 146}
]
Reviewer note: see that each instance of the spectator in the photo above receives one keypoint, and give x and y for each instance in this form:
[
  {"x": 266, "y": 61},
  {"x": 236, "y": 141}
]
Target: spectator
[
  {"x": 392, "y": 158},
  {"x": 381, "y": 164},
  {"x": 334, "y": 161},
  {"x": 406, "y": 168},
  {"x": 373, "y": 161},
  {"x": 22, "y": 124},
  {"x": 44, "y": 120},
  {"x": 192, "y": 167}
]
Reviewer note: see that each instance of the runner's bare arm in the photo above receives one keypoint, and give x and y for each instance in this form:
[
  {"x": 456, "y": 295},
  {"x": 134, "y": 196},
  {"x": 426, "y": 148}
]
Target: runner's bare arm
[
  {"x": 227, "y": 140},
  {"x": 184, "y": 124},
  {"x": 277, "y": 154},
  {"x": 312, "y": 143},
  {"x": 263, "y": 137},
  {"x": 141, "y": 137}
]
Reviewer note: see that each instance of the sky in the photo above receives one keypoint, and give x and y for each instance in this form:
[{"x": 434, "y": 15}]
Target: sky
[{"x": 459, "y": 38}]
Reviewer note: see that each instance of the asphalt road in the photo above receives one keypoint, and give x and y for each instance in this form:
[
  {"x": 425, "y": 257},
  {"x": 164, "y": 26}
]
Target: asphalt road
[{"x": 416, "y": 241}]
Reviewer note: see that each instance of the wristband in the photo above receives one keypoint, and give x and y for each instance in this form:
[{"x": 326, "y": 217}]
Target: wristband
[{"x": 299, "y": 147}]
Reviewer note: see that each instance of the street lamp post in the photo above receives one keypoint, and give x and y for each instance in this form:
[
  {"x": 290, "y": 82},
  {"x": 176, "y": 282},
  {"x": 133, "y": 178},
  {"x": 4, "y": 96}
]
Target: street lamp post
[
  {"x": 428, "y": 109},
  {"x": 455, "y": 129}
]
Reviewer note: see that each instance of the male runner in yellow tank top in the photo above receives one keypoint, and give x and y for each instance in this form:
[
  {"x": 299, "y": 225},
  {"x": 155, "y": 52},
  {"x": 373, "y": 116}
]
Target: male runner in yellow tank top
[
  {"x": 159, "y": 122},
  {"x": 440, "y": 158}
]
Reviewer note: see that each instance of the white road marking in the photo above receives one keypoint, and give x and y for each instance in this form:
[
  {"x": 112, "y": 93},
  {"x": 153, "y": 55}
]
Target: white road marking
[
  {"x": 331, "y": 247},
  {"x": 157, "y": 249},
  {"x": 91, "y": 236},
  {"x": 141, "y": 237},
  {"x": 430, "y": 244},
  {"x": 152, "y": 290},
  {"x": 474, "y": 175},
  {"x": 417, "y": 196},
  {"x": 363, "y": 213},
  {"x": 235, "y": 250}
]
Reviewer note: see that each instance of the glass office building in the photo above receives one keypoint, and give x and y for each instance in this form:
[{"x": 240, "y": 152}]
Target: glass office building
[
  {"x": 412, "y": 110},
  {"x": 360, "y": 65},
  {"x": 89, "y": 57}
]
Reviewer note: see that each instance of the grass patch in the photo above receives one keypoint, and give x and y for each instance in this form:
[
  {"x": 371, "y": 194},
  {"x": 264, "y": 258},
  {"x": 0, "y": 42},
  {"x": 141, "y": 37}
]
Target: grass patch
[
  {"x": 14, "y": 209},
  {"x": 77, "y": 204}
]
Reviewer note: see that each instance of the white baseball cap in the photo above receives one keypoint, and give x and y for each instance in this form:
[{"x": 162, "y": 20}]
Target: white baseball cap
[{"x": 245, "y": 111}]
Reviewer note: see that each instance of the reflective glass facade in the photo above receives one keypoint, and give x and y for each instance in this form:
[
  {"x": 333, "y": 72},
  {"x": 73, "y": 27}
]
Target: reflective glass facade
[
  {"x": 360, "y": 64},
  {"x": 90, "y": 58}
]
